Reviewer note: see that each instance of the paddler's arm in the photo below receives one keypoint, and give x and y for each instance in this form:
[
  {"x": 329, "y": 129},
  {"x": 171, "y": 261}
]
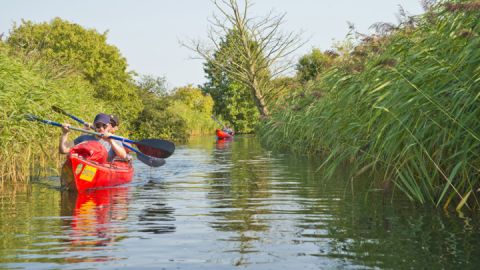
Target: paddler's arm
[
  {"x": 64, "y": 145},
  {"x": 116, "y": 146}
]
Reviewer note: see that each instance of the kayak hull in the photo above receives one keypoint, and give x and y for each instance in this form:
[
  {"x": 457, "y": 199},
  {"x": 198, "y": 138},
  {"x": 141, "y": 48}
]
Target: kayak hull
[
  {"x": 221, "y": 135},
  {"x": 79, "y": 174}
]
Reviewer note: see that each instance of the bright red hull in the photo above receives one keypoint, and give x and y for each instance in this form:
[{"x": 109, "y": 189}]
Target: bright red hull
[
  {"x": 80, "y": 174},
  {"x": 223, "y": 135}
]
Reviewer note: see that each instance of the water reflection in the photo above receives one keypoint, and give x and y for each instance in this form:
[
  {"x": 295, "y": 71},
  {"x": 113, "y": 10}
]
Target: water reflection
[
  {"x": 157, "y": 217},
  {"x": 238, "y": 195},
  {"x": 223, "y": 144},
  {"x": 217, "y": 206},
  {"x": 94, "y": 220}
]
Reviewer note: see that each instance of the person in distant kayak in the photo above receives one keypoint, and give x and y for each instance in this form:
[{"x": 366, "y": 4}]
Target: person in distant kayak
[
  {"x": 102, "y": 125},
  {"x": 228, "y": 130}
]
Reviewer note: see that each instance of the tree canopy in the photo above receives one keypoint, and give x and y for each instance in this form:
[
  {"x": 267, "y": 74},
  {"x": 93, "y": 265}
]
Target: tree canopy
[
  {"x": 232, "y": 98},
  {"x": 84, "y": 51},
  {"x": 311, "y": 65}
]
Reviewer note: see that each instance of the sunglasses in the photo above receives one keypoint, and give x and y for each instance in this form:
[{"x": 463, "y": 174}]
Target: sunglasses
[{"x": 100, "y": 125}]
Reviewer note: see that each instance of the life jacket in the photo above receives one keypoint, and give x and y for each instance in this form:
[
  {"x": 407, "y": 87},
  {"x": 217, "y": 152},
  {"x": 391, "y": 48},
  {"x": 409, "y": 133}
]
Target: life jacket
[{"x": 91, "y": 150}]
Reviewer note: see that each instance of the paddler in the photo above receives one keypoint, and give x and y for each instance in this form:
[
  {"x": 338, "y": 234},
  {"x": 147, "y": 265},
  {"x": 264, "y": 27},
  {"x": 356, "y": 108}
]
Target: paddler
[{"x": 102, "y": 125}]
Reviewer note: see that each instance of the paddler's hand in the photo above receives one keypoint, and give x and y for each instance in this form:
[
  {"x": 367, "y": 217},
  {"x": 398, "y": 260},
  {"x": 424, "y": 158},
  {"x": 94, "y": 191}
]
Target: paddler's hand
[
  {"x": 88, "y": 126},
  {"x": 107, "y": 135},
  {"x": 65, "y": 128}
]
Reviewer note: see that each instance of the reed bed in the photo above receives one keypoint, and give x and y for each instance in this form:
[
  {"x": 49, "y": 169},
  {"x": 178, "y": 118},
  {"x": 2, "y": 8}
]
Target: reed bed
[
  {"x": 408, "y": 110},
  {"x": 27, "y": 85}
]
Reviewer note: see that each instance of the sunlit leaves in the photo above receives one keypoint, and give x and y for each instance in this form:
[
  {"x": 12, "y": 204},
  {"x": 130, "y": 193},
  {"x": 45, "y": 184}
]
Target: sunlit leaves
[{"x": 83, "y": 50}]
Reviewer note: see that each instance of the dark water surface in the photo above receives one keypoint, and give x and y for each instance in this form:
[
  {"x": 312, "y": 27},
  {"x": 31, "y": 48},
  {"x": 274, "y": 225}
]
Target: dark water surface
[{"x": 230, "y": 205}]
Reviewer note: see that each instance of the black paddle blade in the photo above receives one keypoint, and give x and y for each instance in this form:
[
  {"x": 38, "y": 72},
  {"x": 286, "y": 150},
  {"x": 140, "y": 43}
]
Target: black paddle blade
[
  {"x": 151, "y": 161},
  {"x": 156, "y": 147},
  {"x": 58, "y": 110}
]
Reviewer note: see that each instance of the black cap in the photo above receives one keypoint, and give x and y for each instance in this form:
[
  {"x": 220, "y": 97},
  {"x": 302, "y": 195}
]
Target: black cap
[{"x": 102, "y": 118}]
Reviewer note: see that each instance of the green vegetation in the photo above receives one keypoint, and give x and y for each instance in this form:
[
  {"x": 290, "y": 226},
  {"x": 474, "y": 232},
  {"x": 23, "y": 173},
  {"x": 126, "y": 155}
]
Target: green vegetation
[
  {"x": 232, "y": 98},
  {"x": 313, "y": 64},
  {"x": 178, "y": 116},
  {"x": 32, "y": 88},
  {"x": 76, "y": 49},
  {"x": 61, "y": 63},
  {"x": 250, "y": 51},
  {"x": 403, "y": 103}
]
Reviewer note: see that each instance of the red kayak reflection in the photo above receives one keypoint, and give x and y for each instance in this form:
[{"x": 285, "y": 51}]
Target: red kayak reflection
[
  {"x": 223, "y": 144},
  {"x": 97, "y": 218}
]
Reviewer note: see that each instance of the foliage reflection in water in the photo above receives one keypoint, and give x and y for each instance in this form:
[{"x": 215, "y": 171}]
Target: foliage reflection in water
[{"x": 220, "y": 204}]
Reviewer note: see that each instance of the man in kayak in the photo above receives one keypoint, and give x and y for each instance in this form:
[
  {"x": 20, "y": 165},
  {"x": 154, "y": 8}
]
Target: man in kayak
[
  {"x": 102, "y": 125},
  {"x": 228, "y": 130},
  {"x": 114, "y": 123}
]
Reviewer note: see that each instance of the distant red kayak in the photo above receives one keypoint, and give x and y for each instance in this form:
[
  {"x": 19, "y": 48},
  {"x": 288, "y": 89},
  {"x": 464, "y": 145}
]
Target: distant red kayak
[
  {"x": 83, "y": 171},
  {"x": 223, "y": 135}
]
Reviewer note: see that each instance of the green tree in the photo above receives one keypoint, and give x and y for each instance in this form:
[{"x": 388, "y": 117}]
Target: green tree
[
  {"x": 194, "y": 99},
  {"x": 263, "y": 51},
  {"x": 175, "y": 116},
  {"x": 152, "y": 120},
  {"x": 86, "y": 52},
  {"x": 232, "y": 98},
  {"x": 311, "y": 65},
  {"x": 154, "y": 85}
]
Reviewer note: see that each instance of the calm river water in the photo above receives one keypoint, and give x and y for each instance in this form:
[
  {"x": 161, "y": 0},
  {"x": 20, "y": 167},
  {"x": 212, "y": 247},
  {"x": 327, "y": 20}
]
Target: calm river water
[{"x": 230, "y": 205}]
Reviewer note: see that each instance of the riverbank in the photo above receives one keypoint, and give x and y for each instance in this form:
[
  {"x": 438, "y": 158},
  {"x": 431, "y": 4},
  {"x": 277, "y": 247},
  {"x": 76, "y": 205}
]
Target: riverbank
[{"x": 404, "y": 103}]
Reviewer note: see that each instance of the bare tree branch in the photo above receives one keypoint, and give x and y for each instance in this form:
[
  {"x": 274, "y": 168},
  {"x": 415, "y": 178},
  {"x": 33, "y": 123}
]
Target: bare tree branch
[{"x": 260, "y": 49}]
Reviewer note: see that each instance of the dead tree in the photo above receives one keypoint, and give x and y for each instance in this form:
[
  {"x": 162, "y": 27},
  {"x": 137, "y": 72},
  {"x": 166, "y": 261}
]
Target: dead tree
[{"x": 264, "y": 51}]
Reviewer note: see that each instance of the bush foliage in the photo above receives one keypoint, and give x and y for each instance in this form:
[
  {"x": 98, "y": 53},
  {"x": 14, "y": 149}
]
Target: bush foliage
[
  {"x": 177, "y": 116},
  {"x": 84, "y": 51},
  {"x": 63, "y": 64}
]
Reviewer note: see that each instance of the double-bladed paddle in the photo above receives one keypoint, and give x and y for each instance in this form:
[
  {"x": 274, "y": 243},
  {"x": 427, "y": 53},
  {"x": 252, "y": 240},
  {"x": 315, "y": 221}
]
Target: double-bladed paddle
[
  {"x": 159, "y": 148},
  {"x": 218, "y": 122},
  {"x": 59, "y": 110},
  {"x": 150, "y": 161},
  {"x": 153, "y": 147}
]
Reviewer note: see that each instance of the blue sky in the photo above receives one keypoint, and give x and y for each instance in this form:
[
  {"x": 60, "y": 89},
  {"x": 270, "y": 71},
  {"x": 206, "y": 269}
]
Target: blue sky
[{"x": 148, "y": 32}]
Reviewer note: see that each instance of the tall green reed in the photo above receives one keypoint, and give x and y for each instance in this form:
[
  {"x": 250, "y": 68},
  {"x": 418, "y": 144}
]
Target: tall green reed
[
  {"x": 30, "y": 85},
  {"x": 409, "y": 110}
]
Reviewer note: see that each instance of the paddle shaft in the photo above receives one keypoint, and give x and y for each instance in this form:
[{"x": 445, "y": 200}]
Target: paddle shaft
[
  {"x": 150, "y": 161},
  {"x": 84, "y": 130},
  {"x": 77, "y": 119},
  {"x": 131, "y": 148},
  {"x": 150, "y": 147},
  {"x": 216, "y": 120},
  {"x": 59, "y": 110}
]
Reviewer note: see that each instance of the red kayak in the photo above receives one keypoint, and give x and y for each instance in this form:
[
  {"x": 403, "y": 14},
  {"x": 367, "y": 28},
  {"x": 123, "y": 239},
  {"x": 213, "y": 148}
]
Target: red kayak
[
  {"x": 223, "y": 135},
  {"x": 86, "y": 168}
]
